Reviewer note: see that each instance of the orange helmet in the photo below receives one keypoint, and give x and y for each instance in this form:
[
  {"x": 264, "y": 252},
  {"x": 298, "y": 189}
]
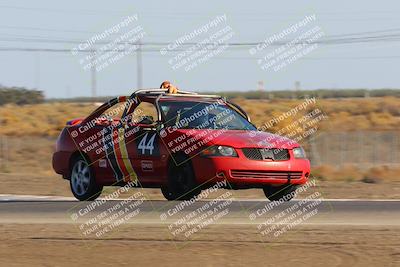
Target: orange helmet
[{"x": 172, "y": 89}]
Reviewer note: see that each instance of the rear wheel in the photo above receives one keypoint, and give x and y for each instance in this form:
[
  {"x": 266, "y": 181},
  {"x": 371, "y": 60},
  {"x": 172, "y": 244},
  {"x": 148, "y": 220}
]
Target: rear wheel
[
  {"x": 82, "y": 182},
  {"x": 280, "y": 193},
  {"x": 181, "y": 183}
]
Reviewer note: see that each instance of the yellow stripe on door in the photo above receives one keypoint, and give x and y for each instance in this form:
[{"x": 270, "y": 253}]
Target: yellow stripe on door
[{"x": 132, "y": 176}]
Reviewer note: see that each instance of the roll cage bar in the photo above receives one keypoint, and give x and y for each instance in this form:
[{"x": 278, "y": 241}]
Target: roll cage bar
[
  {"x": 159, "y": 93},
  {"x": 164, "y": 92}
]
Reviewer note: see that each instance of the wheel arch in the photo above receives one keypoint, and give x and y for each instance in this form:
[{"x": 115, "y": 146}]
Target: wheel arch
[
  {"x": 178, "y": 159},
  {"x": 76, "y": 154}
]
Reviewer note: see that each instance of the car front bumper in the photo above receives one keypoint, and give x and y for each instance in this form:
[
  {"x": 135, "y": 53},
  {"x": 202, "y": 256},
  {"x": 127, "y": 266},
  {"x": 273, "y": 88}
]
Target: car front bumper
[{"x": 242, "y": 172}]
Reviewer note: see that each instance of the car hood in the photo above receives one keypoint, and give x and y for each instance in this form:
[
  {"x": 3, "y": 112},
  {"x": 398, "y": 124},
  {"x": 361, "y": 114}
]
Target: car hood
[{"x": 241, "y": 138}]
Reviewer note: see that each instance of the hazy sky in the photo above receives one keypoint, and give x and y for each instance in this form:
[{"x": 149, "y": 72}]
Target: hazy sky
[{"x": 53, "y": 24}]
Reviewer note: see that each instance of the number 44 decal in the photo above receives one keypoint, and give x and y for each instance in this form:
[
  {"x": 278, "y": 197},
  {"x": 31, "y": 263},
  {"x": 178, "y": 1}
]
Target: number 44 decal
[{"x": 147, "y": 145}]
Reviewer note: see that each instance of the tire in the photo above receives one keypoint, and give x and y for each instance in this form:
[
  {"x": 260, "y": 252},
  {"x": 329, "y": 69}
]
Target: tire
[
  {"x": 181, "y": 184},
  {"x": 82, "y": 181},
  {"x": 279, "y": 193}
]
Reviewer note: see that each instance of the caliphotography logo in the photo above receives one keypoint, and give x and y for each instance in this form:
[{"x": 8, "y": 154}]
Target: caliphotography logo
[{"x": 151, "y": 133}]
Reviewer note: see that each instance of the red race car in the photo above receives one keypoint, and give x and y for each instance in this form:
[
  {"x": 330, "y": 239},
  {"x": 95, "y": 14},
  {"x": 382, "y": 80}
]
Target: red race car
[{"x": 181, "y": 142}]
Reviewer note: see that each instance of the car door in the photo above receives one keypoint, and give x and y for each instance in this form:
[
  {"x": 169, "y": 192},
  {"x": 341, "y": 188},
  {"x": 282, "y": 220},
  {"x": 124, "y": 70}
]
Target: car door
[
  {"x": 146, "y": 150},
  {"x": 102, "y": 145}
]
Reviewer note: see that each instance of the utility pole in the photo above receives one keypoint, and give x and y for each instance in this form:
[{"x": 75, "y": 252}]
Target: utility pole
[
  {"x": 37, "y": 70},
  {"x": 260, "y": 86},
  {"x": 139, "y": 65},
  {"x": 297, "y": 86},
  {"x": 296, "y": 89},
  {"x": 68, "y": 91},
  {"x": 93, "y": 75}
]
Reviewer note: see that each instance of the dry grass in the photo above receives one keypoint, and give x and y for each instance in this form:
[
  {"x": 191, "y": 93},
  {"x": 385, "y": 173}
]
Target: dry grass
[
  {"x": 381, "y": 113},
  {"x": 352, "y": 173},
  {"x": 41, "y": 119},
  {"x": 30, "y": 155}
]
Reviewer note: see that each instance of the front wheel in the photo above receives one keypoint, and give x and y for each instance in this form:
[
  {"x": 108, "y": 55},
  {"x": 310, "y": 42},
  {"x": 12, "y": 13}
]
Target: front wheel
[
  {"x": 181, "y": 183},
  {"x": 280, "y": 193},
  {"x": 82, "y": 182}
]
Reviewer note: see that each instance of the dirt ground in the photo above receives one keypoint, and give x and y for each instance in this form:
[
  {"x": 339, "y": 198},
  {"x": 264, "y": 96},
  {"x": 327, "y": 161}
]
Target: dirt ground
[
  {"x": 53, "y": 185},
  {"x": 141, "y": 245}
]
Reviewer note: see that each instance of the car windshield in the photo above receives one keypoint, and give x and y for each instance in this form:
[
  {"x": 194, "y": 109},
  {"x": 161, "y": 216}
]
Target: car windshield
[{"x": 203, "y": 115}]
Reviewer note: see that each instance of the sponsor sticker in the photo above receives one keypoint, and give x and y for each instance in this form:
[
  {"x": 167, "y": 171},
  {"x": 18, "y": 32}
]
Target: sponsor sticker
[
  {"x": 103, "y": 163},
  {"x": 147, "y": 165}
]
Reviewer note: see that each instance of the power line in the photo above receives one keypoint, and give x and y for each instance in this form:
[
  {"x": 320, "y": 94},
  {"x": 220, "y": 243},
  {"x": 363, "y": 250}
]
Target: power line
[
  {"x": 355, "y": 37},
  {"x": 56, "y": 10},
  {"x": 16, "y": 49},
  {"x": 161, "y": 13},
  {"x": 43, "y": 29},
  {"x": 368, "y": 39},
  {"x": 381, "y": 35}
]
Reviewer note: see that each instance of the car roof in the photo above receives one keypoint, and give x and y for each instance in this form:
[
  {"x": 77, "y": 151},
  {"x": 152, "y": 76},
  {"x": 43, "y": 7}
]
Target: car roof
[{"x": 152, "y": 94}]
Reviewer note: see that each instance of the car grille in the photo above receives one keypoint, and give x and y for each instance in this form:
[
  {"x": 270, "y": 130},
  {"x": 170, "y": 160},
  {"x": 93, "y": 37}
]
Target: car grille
[
  {"x": 266, "y": 153},
  {"x": 265, "y": 174}
]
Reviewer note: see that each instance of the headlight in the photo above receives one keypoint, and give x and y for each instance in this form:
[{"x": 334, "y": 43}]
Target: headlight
[
  {"x": 299, "y": 153},
  {"x": 219, "y": 151}
]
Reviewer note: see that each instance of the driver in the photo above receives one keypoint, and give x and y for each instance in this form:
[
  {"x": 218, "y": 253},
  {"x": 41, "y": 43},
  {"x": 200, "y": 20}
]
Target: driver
[{"x": 172, "y": 89}]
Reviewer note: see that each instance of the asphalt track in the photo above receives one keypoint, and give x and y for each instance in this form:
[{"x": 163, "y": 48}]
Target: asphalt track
[{"x": 34, "y": 209}]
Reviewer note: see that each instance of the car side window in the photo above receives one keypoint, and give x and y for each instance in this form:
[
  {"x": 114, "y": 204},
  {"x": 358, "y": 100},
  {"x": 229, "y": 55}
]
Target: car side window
[
  {"x": 144, "y": 113},
  {"x": 114, "y": 113}
]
